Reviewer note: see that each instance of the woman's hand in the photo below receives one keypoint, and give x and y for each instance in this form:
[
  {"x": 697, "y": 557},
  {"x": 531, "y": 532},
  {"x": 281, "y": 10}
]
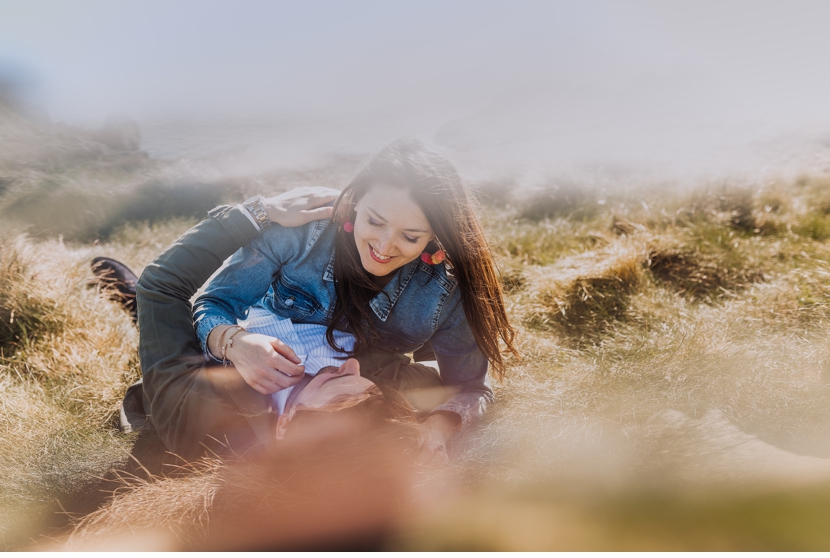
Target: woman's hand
[
  {"x": 300, "y": 205},
  {"x": 436, "y": 431},
  {"x": 265, "y": 363}
]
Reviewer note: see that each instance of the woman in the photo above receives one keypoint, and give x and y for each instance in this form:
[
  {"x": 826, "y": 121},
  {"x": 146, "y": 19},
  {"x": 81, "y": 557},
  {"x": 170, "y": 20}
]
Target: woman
[
  {"x": 402, "y": 263},
  {"x": 196, "y": 407}
]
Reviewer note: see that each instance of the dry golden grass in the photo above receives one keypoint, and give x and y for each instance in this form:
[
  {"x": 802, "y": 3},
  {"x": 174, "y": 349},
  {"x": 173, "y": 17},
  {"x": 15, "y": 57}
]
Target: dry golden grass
[
  {"x": 174, "y": 511},
  {"x": 674, "y": 391},
  {"x": 696, "y": 275},
  {"x": 66, "y": 356},
  {"x": 306, "y": 495},
  {"x": 613, "y": 399},
  {"x": 61, "y": 333},
  {"x": 585, "y": 294}
]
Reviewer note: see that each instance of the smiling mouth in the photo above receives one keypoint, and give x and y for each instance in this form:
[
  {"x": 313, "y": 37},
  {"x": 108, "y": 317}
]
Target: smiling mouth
[{"x": 377, "y": 256}]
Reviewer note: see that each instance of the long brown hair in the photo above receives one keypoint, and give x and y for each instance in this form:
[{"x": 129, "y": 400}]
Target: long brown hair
[{"x": 432, "y": 182}]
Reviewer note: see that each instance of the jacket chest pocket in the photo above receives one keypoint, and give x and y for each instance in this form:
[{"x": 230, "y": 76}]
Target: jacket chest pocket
[{"x": 293, "y": 301}]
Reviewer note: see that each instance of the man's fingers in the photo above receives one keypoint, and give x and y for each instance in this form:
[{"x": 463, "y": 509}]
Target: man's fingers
[
  {"x": 319, "y": 213},
  {"x": 316, "y": 200}
]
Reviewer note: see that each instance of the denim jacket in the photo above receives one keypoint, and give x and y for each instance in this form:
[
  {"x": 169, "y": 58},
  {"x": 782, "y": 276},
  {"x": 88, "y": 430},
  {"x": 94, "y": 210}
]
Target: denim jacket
[{"x": 289, "y": 271}]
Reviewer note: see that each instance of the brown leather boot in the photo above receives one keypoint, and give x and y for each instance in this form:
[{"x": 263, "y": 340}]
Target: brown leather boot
[{"x": 118, "y": 282}]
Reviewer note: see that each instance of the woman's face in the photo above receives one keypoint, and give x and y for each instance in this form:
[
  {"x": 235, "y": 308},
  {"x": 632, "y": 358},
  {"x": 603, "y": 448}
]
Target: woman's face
[{"x": 390, "y": 230}]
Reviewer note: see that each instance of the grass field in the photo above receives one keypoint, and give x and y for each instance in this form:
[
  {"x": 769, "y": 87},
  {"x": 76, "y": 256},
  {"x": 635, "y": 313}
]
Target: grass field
[{"x": 673, "y": 390}]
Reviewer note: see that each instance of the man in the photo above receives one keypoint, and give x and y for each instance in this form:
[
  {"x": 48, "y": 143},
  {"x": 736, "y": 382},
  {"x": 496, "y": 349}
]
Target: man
[{"x": 196, "y": 406}]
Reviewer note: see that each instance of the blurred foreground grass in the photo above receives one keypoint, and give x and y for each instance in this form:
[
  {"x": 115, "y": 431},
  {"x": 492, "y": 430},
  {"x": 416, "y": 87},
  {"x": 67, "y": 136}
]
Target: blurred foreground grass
[{"x": 673, "y": 392}]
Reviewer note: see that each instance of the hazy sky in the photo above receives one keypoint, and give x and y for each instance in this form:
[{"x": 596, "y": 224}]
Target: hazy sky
[
  {"x": 505, "y": 70},
  {"x": 91, "y": 57}
]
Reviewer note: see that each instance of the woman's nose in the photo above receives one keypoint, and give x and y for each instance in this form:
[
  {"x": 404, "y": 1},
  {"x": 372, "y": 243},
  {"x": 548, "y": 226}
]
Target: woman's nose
[{"x": 384, "y": 245}]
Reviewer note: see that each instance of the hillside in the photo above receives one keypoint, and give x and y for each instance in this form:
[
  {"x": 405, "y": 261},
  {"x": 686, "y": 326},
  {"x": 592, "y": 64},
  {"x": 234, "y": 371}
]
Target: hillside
[{"x": 673, "y": 391}]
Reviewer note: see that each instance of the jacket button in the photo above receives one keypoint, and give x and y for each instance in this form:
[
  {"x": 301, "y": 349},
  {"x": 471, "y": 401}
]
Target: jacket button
[{"x": 289, "y": 302}]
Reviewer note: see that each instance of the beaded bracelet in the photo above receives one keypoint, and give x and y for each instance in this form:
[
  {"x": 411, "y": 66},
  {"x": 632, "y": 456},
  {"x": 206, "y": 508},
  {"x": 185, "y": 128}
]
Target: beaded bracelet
[
  {"x": 221, "y": 335},
  {"x": 222, "y": 346},
  {"x": 229, "y": 343}
]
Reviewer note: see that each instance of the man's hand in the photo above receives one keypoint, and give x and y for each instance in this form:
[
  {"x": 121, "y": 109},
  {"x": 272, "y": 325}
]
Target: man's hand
[
  {"x": 436, "y": 432},
  {"x": 300, "y": 205}
]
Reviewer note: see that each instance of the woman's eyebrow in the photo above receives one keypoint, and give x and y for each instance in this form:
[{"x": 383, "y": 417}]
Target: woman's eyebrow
[
  {"x": 375, "y": 214},
  {"x": 379, "y": 217}
]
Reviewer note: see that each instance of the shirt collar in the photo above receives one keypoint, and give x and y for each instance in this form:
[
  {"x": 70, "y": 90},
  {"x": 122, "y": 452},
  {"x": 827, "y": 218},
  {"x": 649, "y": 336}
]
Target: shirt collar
[{"x": 295, "y": 391}]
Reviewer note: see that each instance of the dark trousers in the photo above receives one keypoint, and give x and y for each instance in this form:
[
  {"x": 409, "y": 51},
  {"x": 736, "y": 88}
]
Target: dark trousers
[{"x": 232, "y": 418}]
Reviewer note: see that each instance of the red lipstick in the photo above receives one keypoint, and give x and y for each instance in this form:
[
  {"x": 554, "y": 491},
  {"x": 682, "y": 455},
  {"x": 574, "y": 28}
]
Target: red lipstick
[{"x": 374, "y": 257}]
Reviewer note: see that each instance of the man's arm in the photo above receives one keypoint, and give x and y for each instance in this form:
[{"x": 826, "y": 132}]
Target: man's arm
[{"x": 171, "y": 358}]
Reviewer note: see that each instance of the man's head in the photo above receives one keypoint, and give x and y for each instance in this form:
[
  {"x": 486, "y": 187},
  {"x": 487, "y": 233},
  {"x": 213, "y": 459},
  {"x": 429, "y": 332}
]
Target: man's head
[
  {"x": 332, "y": 389},
  {"x": 338, "y": 404}
]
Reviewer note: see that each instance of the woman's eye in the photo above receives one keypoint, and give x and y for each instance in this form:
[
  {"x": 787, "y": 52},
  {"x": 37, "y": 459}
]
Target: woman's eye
[
  {"x": 373, "y": 222},
  {"x": 412, "y": 240}
]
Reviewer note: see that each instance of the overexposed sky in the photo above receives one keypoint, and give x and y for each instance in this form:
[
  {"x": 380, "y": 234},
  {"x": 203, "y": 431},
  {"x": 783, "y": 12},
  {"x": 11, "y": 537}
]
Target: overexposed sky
[
  {"x": 602, "y": 79},
  {"x": 92, "y": 57}
]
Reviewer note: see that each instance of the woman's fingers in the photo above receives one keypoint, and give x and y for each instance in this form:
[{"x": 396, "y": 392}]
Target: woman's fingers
[
  {"x": 265, "y": 363},
  {"x": 276, "y": 381},
  {"x": 285, "y": 360},
  {"x": 284, "y": 367},
  {"x": 278, "y": 369},
  {"x": 272, "y": 381},
  {"x": 284, "y": 350}
]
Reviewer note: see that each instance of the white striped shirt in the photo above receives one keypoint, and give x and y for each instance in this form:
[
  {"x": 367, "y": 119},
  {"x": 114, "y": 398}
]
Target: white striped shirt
[{"x": 308, "y": 341}]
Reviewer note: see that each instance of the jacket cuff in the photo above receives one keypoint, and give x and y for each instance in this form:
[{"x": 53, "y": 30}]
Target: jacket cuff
[
  {"x": 469, "y": 405},
  {"x": 235, "y": 222},
  {"x": 203, "y": 329}
]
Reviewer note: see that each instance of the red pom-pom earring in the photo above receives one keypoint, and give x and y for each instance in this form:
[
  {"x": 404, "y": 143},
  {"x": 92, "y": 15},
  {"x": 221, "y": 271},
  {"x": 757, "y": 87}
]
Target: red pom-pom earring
[
  {"x": 433, "y": 259},
  {"x": 348, "y": 226}
]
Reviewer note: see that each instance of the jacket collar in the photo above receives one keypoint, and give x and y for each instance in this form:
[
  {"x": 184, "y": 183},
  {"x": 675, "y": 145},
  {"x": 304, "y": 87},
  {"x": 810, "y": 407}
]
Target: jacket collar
[
  {"x": 385, "y": 300},
  {"x": 328, "y": 273}
]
